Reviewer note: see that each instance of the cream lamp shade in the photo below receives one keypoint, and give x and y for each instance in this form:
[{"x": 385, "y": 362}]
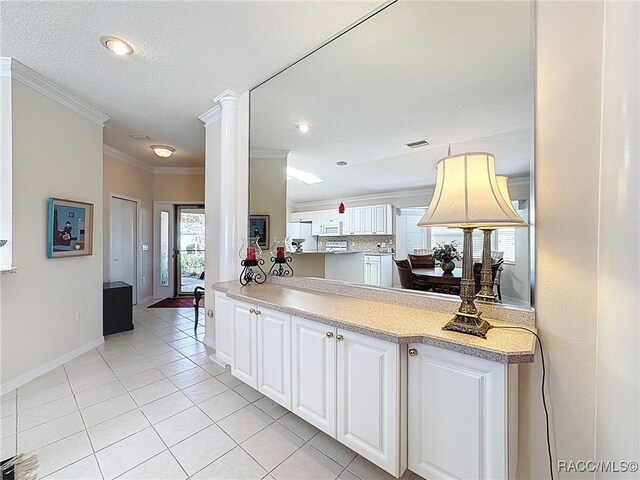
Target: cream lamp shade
[
  {"x": 504, "y": 190},
  {"x": 468, "y": 195}
]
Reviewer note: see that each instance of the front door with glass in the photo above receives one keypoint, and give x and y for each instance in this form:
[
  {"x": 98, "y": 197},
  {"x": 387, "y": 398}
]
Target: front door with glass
[{"x": 189, "y": 242}]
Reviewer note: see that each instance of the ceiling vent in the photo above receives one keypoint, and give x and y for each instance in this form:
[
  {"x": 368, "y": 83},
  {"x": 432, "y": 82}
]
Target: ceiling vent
[
  {"x": 418, "y": 144},
  {"x": 139, "y": 137}
]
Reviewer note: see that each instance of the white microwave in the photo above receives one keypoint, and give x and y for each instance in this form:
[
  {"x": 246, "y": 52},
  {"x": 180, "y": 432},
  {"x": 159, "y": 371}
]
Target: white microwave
[{"x": 332, "y": 230}]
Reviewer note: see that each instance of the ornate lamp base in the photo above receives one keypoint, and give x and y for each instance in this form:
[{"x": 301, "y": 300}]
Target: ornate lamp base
[
  {"x": 248, "y": 275},
  {"x": 470, "y": 324},
  {"x": 486, "y": 298}
]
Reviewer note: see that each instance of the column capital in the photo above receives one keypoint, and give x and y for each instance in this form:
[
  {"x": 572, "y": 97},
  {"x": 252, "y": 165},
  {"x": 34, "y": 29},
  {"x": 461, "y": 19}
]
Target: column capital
[{"x": 226, "y": 96}]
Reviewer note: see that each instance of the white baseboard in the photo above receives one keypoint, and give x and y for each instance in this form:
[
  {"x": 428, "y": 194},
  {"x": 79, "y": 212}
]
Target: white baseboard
[
  {"x": 47, "y": 367},
  {"x": 145, "y": 299},
  {"x": 208, "y": 341},
  {"x": 214, "y": 358}
]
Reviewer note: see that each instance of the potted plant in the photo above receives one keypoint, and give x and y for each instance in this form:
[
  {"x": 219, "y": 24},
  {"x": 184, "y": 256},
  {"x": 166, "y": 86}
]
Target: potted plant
[{"x": 446, "y": 253}]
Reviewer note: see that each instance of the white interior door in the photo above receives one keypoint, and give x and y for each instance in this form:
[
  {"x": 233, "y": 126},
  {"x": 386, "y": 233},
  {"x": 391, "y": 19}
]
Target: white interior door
[{"x": 124, "y": 227}]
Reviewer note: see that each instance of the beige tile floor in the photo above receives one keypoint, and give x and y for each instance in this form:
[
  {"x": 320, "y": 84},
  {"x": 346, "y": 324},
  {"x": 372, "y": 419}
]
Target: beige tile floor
[{"x": 149, "y": 404}]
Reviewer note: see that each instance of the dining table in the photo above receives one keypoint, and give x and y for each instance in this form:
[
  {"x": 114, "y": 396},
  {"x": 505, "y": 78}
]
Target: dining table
[{"x": 435, "y": 277}]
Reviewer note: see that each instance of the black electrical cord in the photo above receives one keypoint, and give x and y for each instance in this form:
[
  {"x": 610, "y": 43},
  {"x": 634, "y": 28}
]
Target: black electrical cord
[{"x": 544, "y": 398}]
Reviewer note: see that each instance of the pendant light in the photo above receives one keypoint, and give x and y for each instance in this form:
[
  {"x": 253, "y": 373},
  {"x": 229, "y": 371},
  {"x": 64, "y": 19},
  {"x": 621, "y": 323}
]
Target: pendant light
[{"x": 341, "y": 206}]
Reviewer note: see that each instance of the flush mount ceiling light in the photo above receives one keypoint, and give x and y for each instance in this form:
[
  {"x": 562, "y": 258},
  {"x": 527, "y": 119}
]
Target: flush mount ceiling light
[
  {"x": 305, "y": 177},
  {"x": 303, "y": 127},
  {"x": 163, "y": 151},
  {"x": 116, "y": 45}
]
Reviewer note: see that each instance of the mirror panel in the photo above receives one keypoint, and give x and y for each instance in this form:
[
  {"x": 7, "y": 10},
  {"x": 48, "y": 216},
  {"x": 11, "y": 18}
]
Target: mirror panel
[{"x": 457, "y": 75}]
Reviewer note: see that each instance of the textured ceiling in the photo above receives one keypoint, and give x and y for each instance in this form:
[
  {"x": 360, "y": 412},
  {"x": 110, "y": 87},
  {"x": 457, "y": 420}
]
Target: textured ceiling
[
  {"x": 186, "y": 53},
  {"x": 454, "y": 73}
]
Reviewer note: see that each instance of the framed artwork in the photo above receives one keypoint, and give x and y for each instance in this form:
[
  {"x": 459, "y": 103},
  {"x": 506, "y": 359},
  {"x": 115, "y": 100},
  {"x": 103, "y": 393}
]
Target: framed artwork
[
  {"x": 259, "y": 227},
  {"x": 70, "y": 228}
]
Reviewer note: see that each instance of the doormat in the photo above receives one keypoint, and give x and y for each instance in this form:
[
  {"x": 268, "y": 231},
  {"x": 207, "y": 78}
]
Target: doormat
[
  {"x": 20, "y": 467},
  {"x": 180, "y": 302}
]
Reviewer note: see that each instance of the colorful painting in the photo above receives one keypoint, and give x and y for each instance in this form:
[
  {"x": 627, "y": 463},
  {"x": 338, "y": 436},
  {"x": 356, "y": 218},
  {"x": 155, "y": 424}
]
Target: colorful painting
[
  {"x": 70, "y": 231},
  {"x": 259, "y": 228}
]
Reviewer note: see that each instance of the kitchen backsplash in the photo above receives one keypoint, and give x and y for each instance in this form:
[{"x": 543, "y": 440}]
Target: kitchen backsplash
[{"x": 365, "y": 243}]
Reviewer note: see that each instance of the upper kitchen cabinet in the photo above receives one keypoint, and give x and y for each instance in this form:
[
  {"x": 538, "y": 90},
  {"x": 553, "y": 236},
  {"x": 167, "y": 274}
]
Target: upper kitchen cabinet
[{"x": 377, "y": 220}]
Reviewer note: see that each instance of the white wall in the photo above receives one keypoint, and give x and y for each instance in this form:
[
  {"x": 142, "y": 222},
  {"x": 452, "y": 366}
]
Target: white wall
[
  {"x": 569, "y": 47},
  {"x": 56, "y": 152},
  {"x": 618, "y": 341}
]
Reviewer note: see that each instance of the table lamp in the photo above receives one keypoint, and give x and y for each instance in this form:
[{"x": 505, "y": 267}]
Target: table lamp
[
  {"x": 486, "y": 293},
  {"x": 467, "y": 195}
]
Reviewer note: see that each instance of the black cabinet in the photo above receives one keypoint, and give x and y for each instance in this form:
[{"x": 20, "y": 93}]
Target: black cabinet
[{"x": 117, "y": 311}]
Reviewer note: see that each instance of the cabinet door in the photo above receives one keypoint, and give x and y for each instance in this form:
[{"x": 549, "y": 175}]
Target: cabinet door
[
  {"x": 244, "y": 365},
  {"x": 371, "y": 270},
  {"x": 316, "y": 223},
  {"x": 380, "y": 219},
  {"x": 367, "y": 220},
  {"x": 314, "y": 373},
  {"x": 368, "y": 400},
  {"x": 457, "y": 415},
  {"x": 346, "y": 222},
  {"x": 274, "y": 356},
  {"x": 224, "y": 328},
  {"x": 356, "y": 221},
  {"x": 296, "y": 217}
]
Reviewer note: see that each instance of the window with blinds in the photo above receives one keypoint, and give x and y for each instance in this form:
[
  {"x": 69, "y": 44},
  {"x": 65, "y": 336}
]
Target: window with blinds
[
  {"x": 506, "y": 242},
  {"x": 416, "y": 236},
  {"x": 448, "y": 235}
]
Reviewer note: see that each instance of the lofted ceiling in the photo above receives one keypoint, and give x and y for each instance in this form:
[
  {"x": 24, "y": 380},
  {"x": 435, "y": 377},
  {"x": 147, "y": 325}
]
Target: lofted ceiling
[
  {"x": 454, "y": 73},
  {"x": 186, "y": 53}
]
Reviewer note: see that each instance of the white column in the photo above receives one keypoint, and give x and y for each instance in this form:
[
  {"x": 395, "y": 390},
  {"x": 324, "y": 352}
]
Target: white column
[
  {"x": 229, "y": 243},
  {"x": 618, "y": 340}
]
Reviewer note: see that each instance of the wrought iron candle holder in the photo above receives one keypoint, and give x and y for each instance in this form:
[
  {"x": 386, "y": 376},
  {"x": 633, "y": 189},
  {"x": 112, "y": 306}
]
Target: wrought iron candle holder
[
  {"x": 279, "y": 258},
  {"x": 249, "y": 275},
  {"x": 251, "y": 260}
]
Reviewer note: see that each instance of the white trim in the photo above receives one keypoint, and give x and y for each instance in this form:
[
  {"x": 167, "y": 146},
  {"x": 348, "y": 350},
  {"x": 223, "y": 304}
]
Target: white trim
[
  {"x": 144, "y": 300},
  {"x": 226, "y": 95},
  {"x": 10, "y": 67},
  {"x": 269, "y": 153},
  {"x": 47, "y": 367},
  {"x": 126, "y": 158},
  {"x": 178, "y": 170},
  {"x": 426, "y": 192},
  {"x": 211, "y": 116},
  {"x": 137, "y": 243},
  {"x": 520, "y": 180}
]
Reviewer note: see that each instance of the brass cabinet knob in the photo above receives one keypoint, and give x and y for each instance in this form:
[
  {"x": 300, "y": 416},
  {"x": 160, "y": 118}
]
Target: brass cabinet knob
[
  {"x": 258, "y": 312},
  {"x": 339, "y": 337},
  {"x": 252, "y": 310},
  {"x": 413, "y": 352},
  {"x": 329, "y": 334}
]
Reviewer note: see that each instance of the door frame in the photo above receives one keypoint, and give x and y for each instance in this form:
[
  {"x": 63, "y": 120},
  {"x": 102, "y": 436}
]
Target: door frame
[
  {"x": 176, "y": 214},
  {"x": 138, "y": 235},
  {"x": 159, "y": 205}
]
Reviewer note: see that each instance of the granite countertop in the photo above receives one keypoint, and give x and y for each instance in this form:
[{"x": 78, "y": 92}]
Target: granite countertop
[
  {"x": 393, "y": 323},
  {"x": 329, "y": 252}
]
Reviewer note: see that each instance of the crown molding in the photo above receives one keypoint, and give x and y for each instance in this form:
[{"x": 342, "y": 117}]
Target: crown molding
[
  {"x": 126, "y": 158},
  {"x": 372, "y": 197},
  {"x": 226, "y": 95},
  {"x": 10, "y": 67},
  {"x": 269, "y": 153},
  {"x": 179, "y": 170},
  {"x": 211, "y": 116},
  {"x": 524, "y": 179}
]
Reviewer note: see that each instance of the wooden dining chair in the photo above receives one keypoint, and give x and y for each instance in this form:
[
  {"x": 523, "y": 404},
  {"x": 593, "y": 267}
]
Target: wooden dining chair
[
  {"x": 404, "y": 272},
  {"x": 422, "y": 261}
]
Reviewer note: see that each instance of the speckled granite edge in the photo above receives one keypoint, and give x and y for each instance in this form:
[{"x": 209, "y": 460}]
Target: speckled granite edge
[
  {"x": 429, "y": 301},
  {"x": 456, "y": 346}
]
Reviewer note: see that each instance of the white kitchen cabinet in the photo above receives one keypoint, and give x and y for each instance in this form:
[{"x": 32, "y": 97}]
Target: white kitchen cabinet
[
  {"x": 377, "y": 220},
  {"x": 459, "y": 415},
  {"x": 353, "y": 221},
  {"x": 223, "y": 328},
  {"x": 314, "y": 373},
  {"x": 368, "y": 399},
  {"x": 368, "y": 220},
  {"x": 378, "y": 270},
  {"x": 274, "y": 356},
  {"x": 316, "y": 223},
  {"x": 244, "y": 364},
  {"x": 296, "y": 217}
]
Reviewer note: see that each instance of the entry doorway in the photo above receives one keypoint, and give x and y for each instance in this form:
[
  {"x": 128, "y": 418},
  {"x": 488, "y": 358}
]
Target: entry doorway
[
  {"x": 123, "y": 259},
  {"x": 189, "y": 241}
]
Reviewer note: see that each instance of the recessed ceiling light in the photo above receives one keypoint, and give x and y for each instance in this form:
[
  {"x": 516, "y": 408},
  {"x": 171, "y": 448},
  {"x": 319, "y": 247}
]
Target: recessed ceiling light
[
  {"x": 306, "y": 177},
  {"x": 163, "y": 151},
  {"x": 303, "y": 127},
  {"x": 116, "y": 45}
]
